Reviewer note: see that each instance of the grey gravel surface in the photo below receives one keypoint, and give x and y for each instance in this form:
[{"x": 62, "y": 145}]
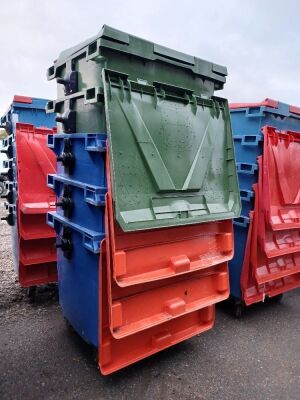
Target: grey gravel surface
[{"x": 257, "y": 357}]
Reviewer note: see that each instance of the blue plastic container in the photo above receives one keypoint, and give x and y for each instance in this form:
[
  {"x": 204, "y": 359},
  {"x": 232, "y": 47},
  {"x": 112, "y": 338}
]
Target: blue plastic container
[
  {"x": 81, "y": 179},
  {"x": 241, "y": 226},
  {"x": 28, "y": 110},
  {"x": 86, "y": 165},
  {"x": 87, "y": 201},
  {"x": 78, "y": 276},
  {"x": 250, "y": 118},
  {"x": 247, "y": 122}
]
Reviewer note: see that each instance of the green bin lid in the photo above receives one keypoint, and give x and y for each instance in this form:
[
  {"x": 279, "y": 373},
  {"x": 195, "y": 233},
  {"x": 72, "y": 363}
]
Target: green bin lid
[
  {"x": 115, "y": 40},
  {"x": 171, "y": 155}
]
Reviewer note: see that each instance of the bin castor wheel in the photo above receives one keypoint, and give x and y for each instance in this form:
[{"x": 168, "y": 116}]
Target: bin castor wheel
[
  {"x": 95, "y": 355},
  {"x": 277, "y": 299},
  {"x": 2, "y": 188},
  {"x": 31, "y": 294},
  {"x": 238, "y": 309},
  {"x": 69, "y": 326}
]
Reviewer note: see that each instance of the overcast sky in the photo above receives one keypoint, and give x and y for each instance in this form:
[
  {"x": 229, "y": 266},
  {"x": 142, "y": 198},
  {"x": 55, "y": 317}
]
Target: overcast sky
[{"x": 258, "y": 41}]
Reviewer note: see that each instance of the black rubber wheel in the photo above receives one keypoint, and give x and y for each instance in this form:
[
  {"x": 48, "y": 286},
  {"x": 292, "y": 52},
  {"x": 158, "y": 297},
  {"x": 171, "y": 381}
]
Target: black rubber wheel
[
  {"x": 238, "y": 310},
  {"x": 31, "y": 294},
  {"x": 69, "y": 326},
  {"x": 277, "y": 299},
  {"x": 95, "y": 354},
  {"x": 2, "y": 188}
]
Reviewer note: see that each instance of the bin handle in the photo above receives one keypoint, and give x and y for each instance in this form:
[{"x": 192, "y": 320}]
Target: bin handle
[
  {"x": 95, "y": 197},
  {"x": 249, "y": 140},
  {"x": 242, "y": 221},
  {"x": 246, "y": 168},
  {"x": 246, "y": 195}
]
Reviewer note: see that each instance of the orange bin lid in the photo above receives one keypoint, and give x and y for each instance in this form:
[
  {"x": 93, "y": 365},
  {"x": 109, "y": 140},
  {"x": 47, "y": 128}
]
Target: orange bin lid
[
  {"x": 160, "y": 301},
  {"x": 281, "y": 184},
  {"x": 265, "y": 103},
  {"x": 22, "y": 99},
  {"x": 115, "y": 354},
  {"x": 273, "y": 243},
  {"x": 267, "y": 269}
]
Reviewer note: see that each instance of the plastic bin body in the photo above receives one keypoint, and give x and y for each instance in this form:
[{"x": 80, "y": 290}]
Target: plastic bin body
[
  {"x": 78, "y": 277},
  {"x": 83, "y": 182},
  {"x": 141, "y": 122}
]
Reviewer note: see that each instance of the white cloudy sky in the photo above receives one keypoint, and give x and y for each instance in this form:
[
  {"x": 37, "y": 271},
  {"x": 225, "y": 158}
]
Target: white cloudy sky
[{"x": 258, "y": 40}]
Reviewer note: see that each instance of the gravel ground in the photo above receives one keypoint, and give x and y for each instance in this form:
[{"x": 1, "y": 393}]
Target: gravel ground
[
  {"x": 256, "y": 357},
  {"x": 10, "y": 291}
]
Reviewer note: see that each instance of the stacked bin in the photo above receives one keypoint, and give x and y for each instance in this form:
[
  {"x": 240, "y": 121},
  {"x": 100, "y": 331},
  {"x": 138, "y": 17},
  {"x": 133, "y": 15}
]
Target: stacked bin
[
  {"x": 28, "y": 199},
  {"x": 247, "y": 123},
  {"x": 146, "y": 191},
  {"x": 80, "y": 186}
]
